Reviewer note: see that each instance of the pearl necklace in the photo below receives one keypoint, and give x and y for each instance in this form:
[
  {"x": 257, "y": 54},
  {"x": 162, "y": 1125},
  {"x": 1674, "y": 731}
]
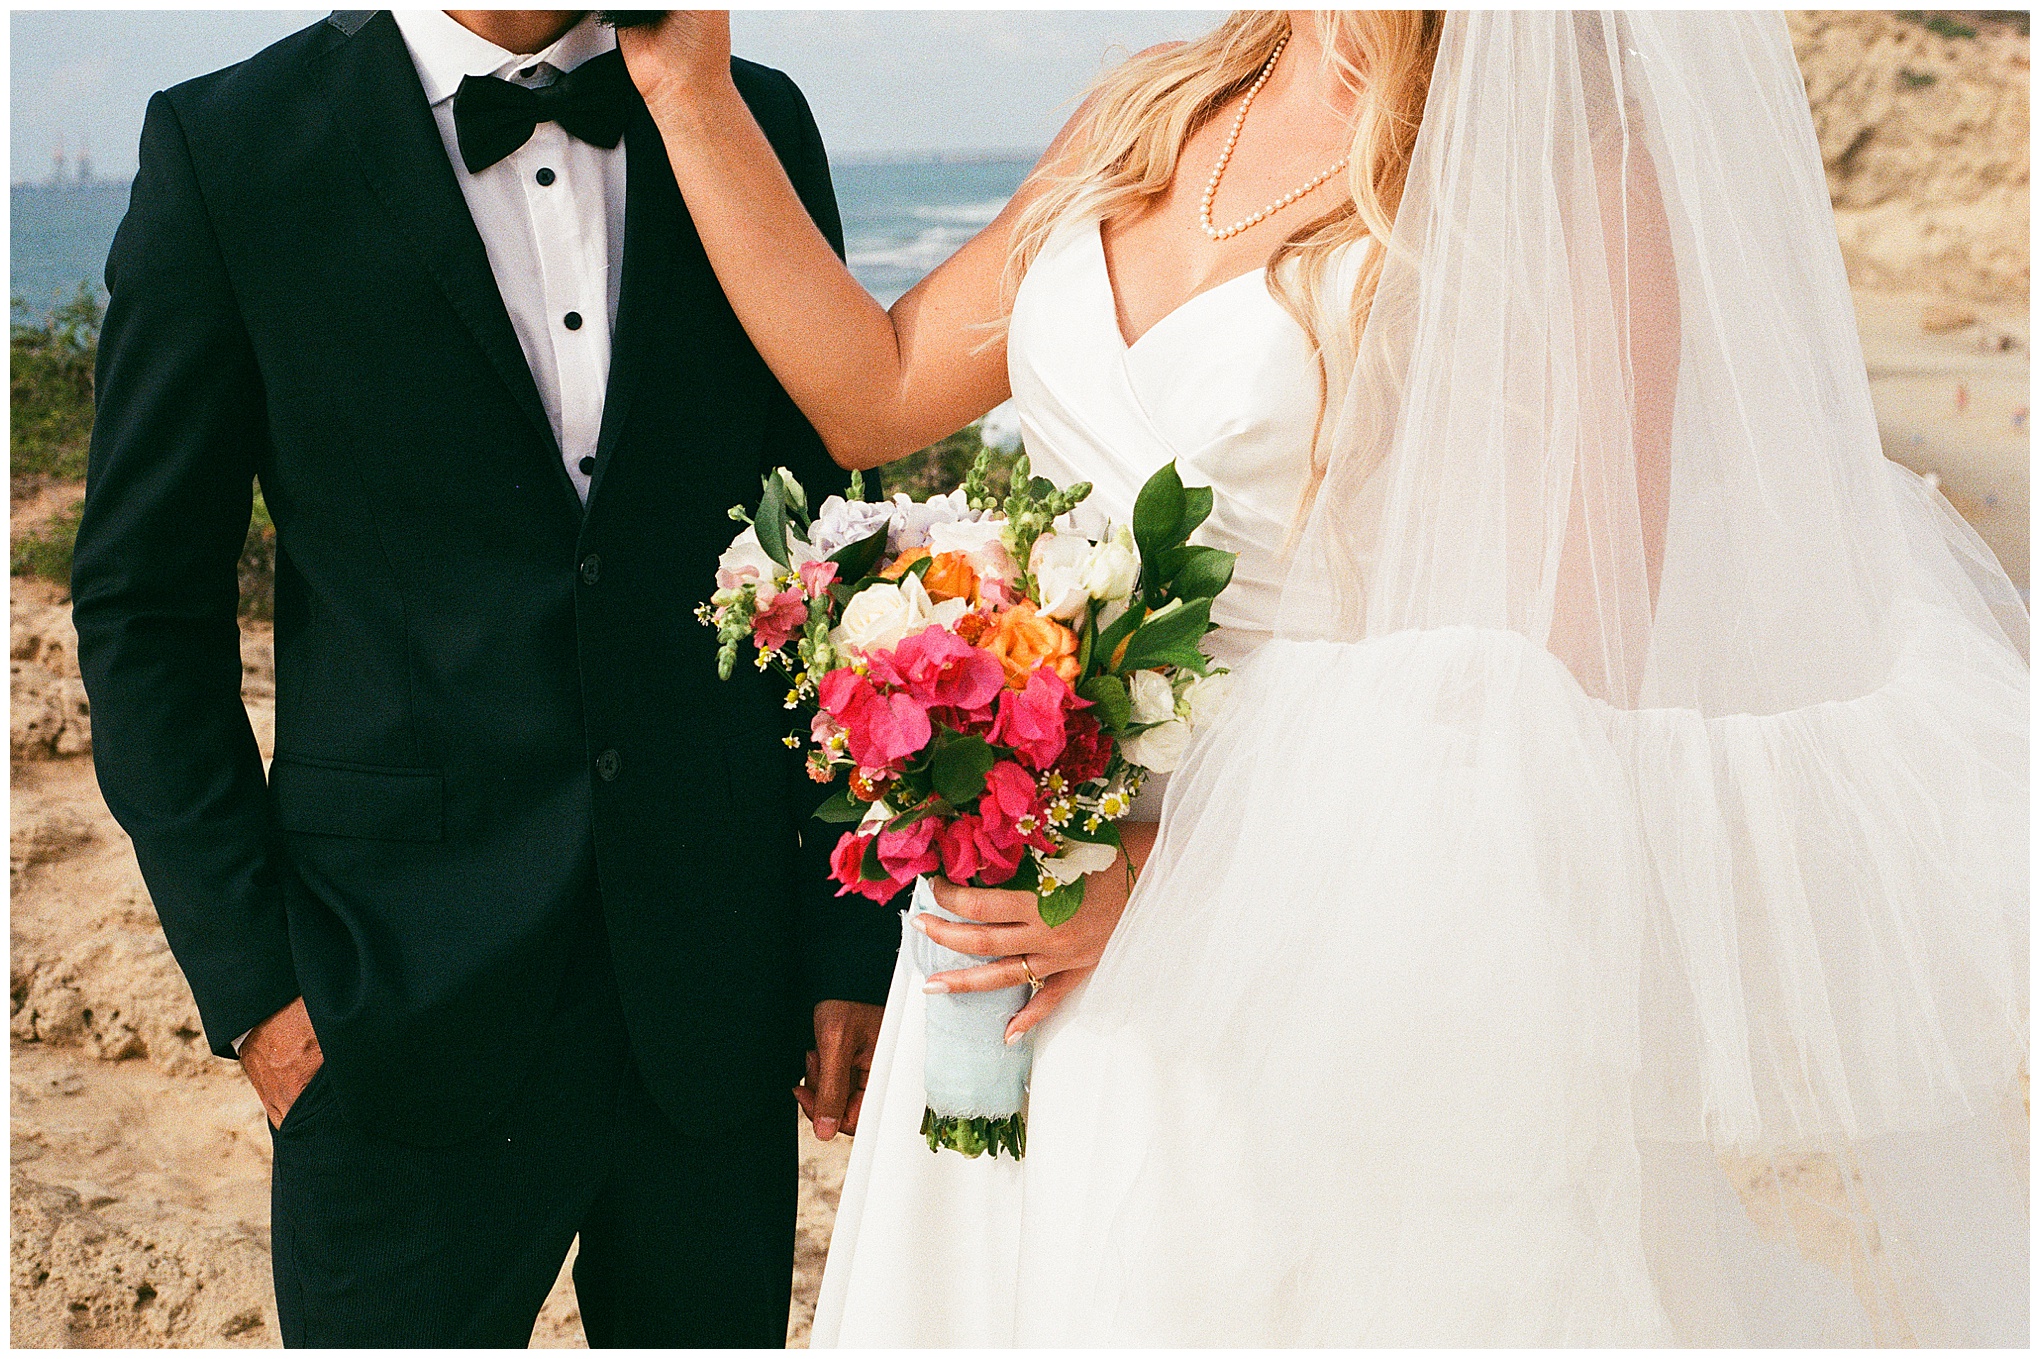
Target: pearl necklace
[{"x": 1225, "y": 158}]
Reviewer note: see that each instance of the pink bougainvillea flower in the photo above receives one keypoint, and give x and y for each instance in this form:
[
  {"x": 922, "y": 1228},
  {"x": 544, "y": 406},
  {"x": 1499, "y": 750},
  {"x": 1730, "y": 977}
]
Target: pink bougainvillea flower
[
  {"x": 816, "y": 577},
  {"x": 957, "y": 841},
  {"x": 846, "y": 866},
  {"x": 1031, "y": 719},
  {"x": 883, "y": 729},
  {"x": 889, "y": 731},
  {"x": 909, "y": 853},
  {"x": 942, "y": 670},
  {"x": 780, "y": 621}
]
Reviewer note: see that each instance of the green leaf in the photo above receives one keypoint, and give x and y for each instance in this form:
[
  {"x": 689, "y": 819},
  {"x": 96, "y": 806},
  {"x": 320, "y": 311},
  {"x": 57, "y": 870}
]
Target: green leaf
[
  {"x": 959, "y": 766},
  {"x": 1106, "y": 834},
  {"x": 855, "y": 561},
  {"x": 1198, "y": 572},
  {"x": 1111, "y": 704},
  {"x": 920, "y": 568},
  {"x": 1170, "y": 638},
  {"x": 1061, "y": 904},
  {"x": 841, "y": 808},
  {"x": 1026, "y": 878},
  {"x": 771, "y": 523},
  {"x": 1157, "y": 512},
  {"x": 1196, "y": 509},
  {"x": 1122, "y": 628},
  {"x": 872, "y": 870}
]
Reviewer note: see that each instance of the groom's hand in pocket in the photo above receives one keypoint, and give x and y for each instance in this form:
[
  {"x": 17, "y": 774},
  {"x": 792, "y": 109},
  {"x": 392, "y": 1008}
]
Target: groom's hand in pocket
[
  {"x": 280, "y": 1056},
  {"x": 839, "y": 1065}
]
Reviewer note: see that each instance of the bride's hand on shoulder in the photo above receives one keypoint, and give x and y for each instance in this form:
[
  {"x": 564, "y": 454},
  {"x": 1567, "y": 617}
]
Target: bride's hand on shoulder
[
  {"x": 1006, "y": 926},
  {"x": 681, "y": 57}
]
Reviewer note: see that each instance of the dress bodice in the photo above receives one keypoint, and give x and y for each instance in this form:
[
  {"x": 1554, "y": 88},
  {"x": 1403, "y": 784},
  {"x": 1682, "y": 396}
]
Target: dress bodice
[{"x": 1225, "y": 384}]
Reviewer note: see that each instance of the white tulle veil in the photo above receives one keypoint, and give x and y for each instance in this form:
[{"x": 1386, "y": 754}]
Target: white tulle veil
[{"x": 1608, "y": 447}]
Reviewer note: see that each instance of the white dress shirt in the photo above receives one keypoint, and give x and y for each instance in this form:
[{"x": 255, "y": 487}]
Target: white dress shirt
[{"x": 550, "y": 215}]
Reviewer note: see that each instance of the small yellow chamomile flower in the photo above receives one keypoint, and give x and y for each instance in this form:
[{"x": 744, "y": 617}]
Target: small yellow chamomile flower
[
  {"x": 1060, "y": 811},
  {"x": 1053, "y": 782},
  {"x": 790, "y": 741},
  {"x": 1114, "y": 805},
  {"x": 764, "y": 658},
  {"x": 1092, "y": 822},
  {"x": 1026, "y": 825},
  {"x": 792, "y": 699}
]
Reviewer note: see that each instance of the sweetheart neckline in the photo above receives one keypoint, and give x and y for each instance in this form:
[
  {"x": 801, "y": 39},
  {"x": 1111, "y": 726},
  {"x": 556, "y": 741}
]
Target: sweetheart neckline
[{"x": 1126, "y": 346}]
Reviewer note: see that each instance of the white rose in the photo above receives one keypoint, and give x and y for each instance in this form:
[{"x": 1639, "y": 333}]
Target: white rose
[
  {"x": 884, "y": 613},
  {"x": 1112, "y": 571},
  {"x": 1079, "y": 858},
  {"x": 1158, "y": 748},
  {"x": 1057, "y": 565},
  {"x": 1206, "y": 696},
  {"x": 1154, "y": 698}
]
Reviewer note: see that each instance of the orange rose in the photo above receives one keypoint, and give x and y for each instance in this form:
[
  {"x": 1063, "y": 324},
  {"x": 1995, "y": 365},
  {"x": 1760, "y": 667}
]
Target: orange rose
[
  {"x": 905, "y": 560},
  {"x": 951, "y": 577},
  {"x": 1022, "y": 638}
]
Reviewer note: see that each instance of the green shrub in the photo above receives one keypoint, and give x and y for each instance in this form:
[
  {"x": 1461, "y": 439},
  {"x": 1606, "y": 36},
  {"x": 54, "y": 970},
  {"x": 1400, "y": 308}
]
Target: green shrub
[
  {"x": 939, "y": 468},
  {"x": 50, "y": 394},
  {"x": 46, "y": 551}
]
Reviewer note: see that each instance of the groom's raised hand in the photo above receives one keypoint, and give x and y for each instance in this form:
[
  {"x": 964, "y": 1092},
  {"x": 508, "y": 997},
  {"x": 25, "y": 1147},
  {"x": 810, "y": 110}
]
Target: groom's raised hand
[{"x": 839, "y": 1065}]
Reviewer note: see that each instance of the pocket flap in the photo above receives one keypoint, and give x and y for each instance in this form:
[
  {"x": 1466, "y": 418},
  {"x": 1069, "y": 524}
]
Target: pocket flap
[{"x": 316, "y": 797}]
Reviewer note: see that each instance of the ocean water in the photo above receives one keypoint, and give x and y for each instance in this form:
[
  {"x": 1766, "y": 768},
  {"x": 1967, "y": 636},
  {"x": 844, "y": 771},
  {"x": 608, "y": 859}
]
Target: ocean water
[{"x": 899, "y": 221}]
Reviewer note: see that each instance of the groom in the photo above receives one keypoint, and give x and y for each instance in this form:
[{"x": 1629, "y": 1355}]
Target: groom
[{"x": 515, "y": 939}]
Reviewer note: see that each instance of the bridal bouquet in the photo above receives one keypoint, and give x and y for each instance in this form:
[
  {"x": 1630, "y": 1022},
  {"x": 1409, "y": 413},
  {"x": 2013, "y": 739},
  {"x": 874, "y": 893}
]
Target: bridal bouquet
[{"x": 987, "y": 692}]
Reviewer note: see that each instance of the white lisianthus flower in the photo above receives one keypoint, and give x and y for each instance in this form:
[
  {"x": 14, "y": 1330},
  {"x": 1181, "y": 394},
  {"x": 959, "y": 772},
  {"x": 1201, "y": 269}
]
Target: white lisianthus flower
[
  {"x": 1078, "y": 858},
  {"x": 1154, "y": 698},
  {"x": 745, "y": 563},
  {"x": 884, "y": 613},
  {"x": 1206, "y": 696},
  {"x": 1057, "y": 565},
  {"x": 1158, "y": 748},
  {"x": 981, "y": 541},
  {"x": 841, "y": 522},
  {"x": 1113, "y": 569},
  {"x": 911, "y": 520}
]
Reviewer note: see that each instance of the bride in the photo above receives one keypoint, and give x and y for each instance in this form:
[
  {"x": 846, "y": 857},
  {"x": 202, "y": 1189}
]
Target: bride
[{"x": 1599, "y": 915}]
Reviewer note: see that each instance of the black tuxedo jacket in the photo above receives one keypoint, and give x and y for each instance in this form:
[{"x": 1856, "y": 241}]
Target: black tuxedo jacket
[{"x": 488, "y": 700}]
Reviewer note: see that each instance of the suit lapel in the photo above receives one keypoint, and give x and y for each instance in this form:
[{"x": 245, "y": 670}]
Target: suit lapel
[
  {"x": 397, "y": 143},
  {"x": 660, "y": 253}
]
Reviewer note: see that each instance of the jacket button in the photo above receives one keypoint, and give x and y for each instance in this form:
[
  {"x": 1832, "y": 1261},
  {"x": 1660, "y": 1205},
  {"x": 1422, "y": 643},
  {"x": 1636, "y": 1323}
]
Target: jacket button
[
  {"x": 591, "y": 569},
  {"x": 608, "y": 764}
]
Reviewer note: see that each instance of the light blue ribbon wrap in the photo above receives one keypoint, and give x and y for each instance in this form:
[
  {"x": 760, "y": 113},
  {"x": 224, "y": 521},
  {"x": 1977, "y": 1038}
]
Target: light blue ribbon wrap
[{"x": 970, "y": 1070}]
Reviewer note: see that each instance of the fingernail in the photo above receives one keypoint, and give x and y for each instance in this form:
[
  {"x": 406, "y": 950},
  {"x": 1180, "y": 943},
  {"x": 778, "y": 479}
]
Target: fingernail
[
  {"x": 825, "y": 1128},
  {"x": 935, "y": 988},
  {"x": 919, "y": 922},
  {"x": 1013, "y": 1038}
]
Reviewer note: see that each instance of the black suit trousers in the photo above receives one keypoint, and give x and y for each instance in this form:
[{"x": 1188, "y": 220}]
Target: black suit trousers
[{"x": 686, "y": 1240}]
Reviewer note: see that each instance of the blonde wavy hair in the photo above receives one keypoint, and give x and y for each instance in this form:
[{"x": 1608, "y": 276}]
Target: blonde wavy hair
[{"x": 1127, "y": 137}]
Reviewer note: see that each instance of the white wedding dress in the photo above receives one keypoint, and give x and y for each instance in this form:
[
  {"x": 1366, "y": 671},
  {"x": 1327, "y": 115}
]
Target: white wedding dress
[
  {"x": 1476, "y": 996},
  {"x": 928, "y": 1248}
]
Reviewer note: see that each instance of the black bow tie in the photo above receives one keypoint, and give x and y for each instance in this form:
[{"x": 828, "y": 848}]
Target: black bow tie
[{"x": 493, "y": 117}]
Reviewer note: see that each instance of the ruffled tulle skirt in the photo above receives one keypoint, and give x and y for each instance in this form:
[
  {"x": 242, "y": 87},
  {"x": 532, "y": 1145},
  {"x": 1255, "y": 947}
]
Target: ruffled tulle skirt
[{"x": 1457, "y": 1008}]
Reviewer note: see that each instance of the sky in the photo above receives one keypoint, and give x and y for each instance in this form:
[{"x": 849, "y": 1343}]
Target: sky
[{"x": 882, "y": 82}]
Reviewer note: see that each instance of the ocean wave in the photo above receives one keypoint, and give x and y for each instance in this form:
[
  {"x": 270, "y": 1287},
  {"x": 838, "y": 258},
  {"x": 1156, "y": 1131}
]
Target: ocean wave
[
  {"x": 926, "y": 250},
  {"x": 972, "y": 214}
]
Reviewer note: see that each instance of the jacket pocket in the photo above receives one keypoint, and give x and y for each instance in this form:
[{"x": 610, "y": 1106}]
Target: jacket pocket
[{"x": 319, "y": 797}]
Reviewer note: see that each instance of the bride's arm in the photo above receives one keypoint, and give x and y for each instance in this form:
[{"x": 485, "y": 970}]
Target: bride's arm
[{"x": 875, "y": 385}]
